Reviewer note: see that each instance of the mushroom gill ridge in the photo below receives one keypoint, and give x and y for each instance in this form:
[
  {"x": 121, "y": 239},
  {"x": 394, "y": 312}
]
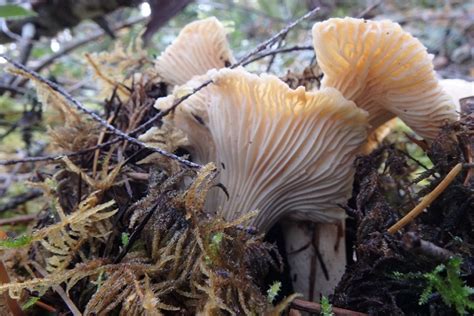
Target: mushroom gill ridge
[
  {"x": 200, "y": 46},
  {"x": 384, "y": 70},
  {"x": 281, "y": 151}
]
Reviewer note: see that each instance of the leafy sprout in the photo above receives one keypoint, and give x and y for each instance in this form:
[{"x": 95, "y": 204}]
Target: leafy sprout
[
  {"x": 445, "y": 279},
  {"x": 273, "y": 291},
  {"x": 326, "y": 307}
]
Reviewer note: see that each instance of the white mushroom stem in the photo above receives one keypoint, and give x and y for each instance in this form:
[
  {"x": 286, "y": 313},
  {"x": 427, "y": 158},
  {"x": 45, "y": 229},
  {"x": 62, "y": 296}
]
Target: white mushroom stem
[{"x": 302, "y": 242}]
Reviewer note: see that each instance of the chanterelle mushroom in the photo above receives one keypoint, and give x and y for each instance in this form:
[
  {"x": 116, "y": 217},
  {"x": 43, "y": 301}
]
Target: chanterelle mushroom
[
  {"x": 385, "y": 71},
  {"x": 200, "y": 46},
  {"x": 280, "y": 151}
]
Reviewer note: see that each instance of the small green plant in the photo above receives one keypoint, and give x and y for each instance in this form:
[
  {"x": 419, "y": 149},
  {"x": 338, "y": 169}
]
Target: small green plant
[
  {"x": 326, "y": 307},
  {"x": 125, "y": 238},
  {"x": 215, "y": 244},
  {"x": 30, "y": 302},
  {"x": 273, "y": 291},
  {"x": 17, "y": 242},
  {"x": 214, "y": 247},
  {"x": 450, "y": 286},
  {"x": 13, "y": 11},
  {"x": 445, "y": 280}
]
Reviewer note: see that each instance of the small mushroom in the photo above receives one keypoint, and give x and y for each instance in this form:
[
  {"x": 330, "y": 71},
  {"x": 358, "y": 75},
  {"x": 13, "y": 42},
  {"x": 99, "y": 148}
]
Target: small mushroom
[
  {"x": 200, "y": 46},
  {"x": 385, "y": 71}
]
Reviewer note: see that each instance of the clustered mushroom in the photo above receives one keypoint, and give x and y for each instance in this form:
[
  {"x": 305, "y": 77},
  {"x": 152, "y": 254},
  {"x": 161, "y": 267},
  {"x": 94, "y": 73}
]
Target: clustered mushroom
[
  {"x": 385, "y": 71},
  {"x": 289, "y": 153},
  {"x": 200, "y": 46}
]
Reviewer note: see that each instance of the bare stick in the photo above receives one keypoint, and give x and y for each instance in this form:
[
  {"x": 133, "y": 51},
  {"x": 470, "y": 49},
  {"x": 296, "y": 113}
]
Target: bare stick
[
  {"x": 312, "y": 307},
  {"x": 274, "y": 38},
  {"x": 367, "y": 10},
  {"x": 46, "y": 307},
  {"x": 17, "y": 220},
  {"x": 78, "y": 105},
  {"x": 14, "y": 89},
  {"x": 65, "y": 296},
  {"x": 20, "y": 199},
  {"x": 12, "y": 305},
  {"x": 278, "y": 51},
  {"x": 427, "y": 200},
  {"x": 53, "y": 157}
]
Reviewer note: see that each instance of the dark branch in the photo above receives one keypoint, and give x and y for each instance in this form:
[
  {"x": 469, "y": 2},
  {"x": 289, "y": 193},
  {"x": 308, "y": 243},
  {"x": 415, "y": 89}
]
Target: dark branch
[
  {"x": 278, "y": 51},
  {"x": 20, "y": 199},
  {"x": 274, "y": 38},
  {"x": 78, "y": 105},
  {"x": 364, "y": 14}
]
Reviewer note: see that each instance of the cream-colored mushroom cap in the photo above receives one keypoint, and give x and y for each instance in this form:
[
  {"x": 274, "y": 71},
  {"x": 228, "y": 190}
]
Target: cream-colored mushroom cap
[
  {"x": 200, "y": 46},
  {"x": 384, "y": 70},
  {"x": 281, "y": 151},
  {"x": 377, "y": 136}
]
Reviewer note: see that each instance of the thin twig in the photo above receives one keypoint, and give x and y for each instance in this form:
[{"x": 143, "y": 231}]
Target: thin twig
[
  {"x": 278, "y": 51},
  {"x": 46, "y": 307},
  {"x": 412, "y": 158},
  {"x": 48, "y": 60},
  {"x": 367, "y": 10},
  {"x": 58, "y": 289},
  {"x": 26, "y": 44},
  {"x": 138, "y": 230},
  {"x": 13, "y": 89},
  {"x": 274, "y": 38},
  {"x": 17, "y": 220},
  {"x": 20, "y": 199},
  {"x": 78, "y": 105},
  {"x": 53, "y": 157},
  {"x": 427, "y": 200},
  {"x": 312, "y": 307},
  {"x": 272, "y": 59},
  {"x": 4, "y": 28}
]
